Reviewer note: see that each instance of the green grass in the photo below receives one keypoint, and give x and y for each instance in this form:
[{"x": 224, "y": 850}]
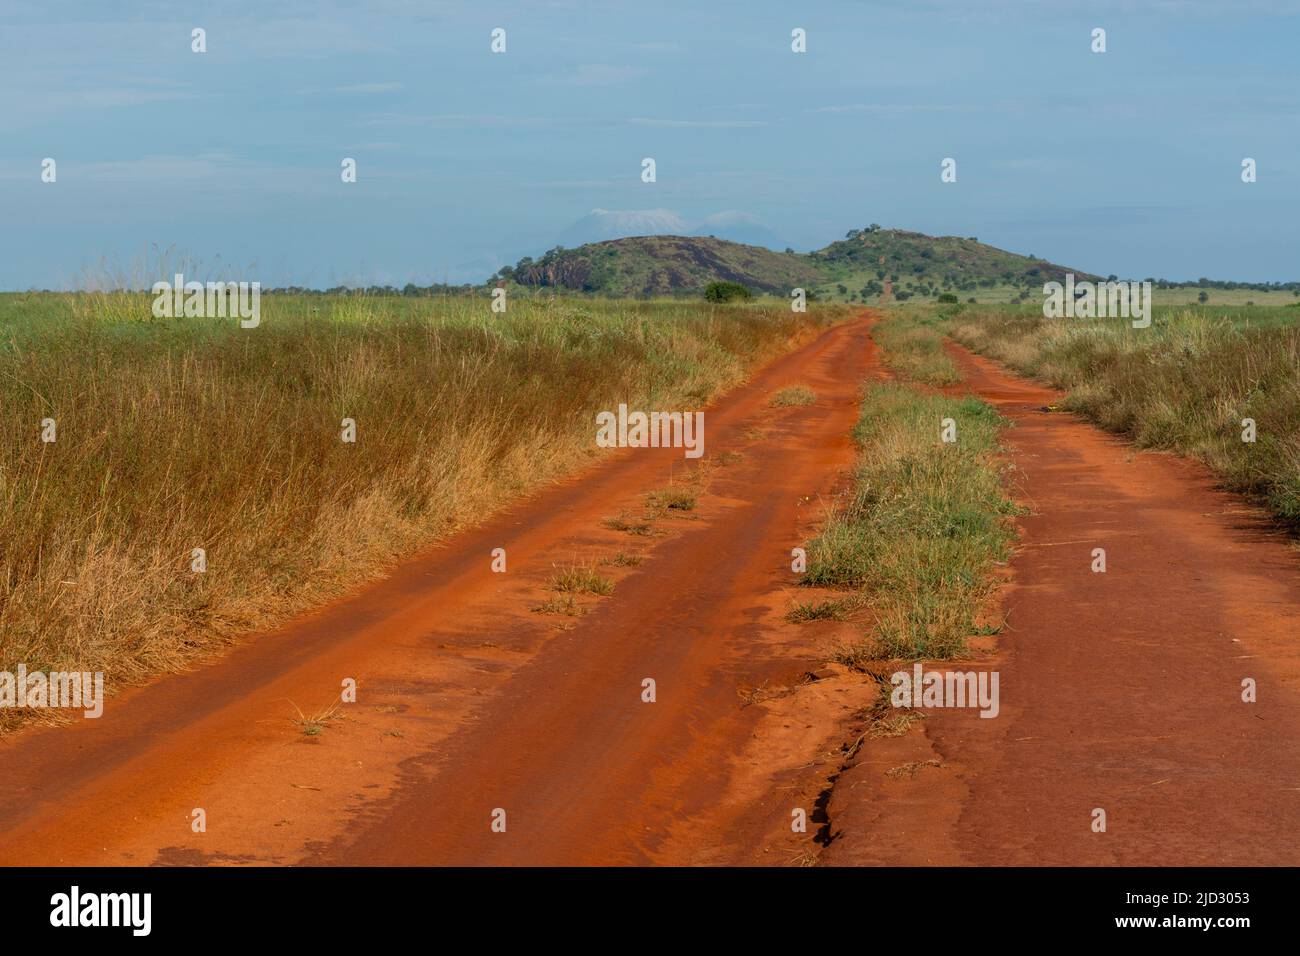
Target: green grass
[
  {"x": 1184, "y": 385},
  {"x": 185, "y": 433},
  {"x": 925, "y": 525}
]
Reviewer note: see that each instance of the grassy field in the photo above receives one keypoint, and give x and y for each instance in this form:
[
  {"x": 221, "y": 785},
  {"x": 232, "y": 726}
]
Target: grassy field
[
  {"x": 1189, "y": 295},
  {"x": 179, "y": 434},
  {"x": 1185, "y": 384},
  {"x": 857, "y": 289}
]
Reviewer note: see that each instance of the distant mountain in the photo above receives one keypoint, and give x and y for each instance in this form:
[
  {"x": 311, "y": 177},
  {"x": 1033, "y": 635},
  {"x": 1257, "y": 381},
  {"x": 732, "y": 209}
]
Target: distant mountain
[{"x": 856, "y": 266}]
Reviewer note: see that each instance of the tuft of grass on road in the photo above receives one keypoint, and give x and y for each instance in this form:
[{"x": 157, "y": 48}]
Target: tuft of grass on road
[
  {"x": 580, "y": 579},
  {"x": 565, "y": 604},
  {"x": 314, "y": 724},
  {"x": 630, "y": 524},
  {"x": 924, "y": 527},
  {"x": 672, "y": 498},
  {"x": 793, "y": 396}
]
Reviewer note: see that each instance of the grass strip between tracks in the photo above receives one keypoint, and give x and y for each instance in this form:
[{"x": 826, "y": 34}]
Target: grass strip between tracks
[{"x": 924, "y": 526}]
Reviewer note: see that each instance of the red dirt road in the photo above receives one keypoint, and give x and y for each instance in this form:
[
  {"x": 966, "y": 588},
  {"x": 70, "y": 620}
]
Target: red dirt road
[
  {"x": 1119, "y": 690},
  {"x": 468, "y": 700}
]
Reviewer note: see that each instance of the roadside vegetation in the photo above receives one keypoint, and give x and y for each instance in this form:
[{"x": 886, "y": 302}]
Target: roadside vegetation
[
  {"x": 1184, "y": 385},
  {"x": 172, "y": 435},
  {"x": 925, "y": 525}
]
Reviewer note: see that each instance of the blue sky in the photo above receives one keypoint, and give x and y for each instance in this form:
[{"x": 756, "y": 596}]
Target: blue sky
[{"x": 1126, "y": 162}]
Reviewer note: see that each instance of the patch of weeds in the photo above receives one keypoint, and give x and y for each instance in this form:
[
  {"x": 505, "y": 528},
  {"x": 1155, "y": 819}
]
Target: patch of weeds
[
  {"x": 672, "y": 498},
  {"x": 818, "y": 611},
  {"x": 629, "y": 524},
  {"x": 313, "y": 725},
  {"x": 563, "y": 604},
  {"x": 857, "y": 655},
  {"x": 793, "y": 395},
  {"x": 580, "y": 579}
]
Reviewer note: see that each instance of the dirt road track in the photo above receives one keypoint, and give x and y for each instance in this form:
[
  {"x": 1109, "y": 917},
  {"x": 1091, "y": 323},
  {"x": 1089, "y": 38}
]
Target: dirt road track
[
  {"x": 468, "y": 700},
  {"x": 1120, "y": 690}
]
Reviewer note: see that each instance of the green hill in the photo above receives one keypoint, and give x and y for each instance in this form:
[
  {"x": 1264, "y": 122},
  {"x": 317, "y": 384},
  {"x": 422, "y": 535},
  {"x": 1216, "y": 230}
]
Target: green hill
[
  {"x": 917, "y": 264},
  {"x": 854, "y": 268},
  {"x": 663, "y": 265}
]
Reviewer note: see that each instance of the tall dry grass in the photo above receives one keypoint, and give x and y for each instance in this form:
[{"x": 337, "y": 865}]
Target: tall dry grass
[{"x": 194, "y": 433}]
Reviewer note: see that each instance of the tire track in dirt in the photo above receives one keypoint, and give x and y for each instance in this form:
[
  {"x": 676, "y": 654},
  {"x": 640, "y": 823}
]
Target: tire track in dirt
[
  {"x": 467, "y": 699},
  {"x": 1119, "y": 690}
]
